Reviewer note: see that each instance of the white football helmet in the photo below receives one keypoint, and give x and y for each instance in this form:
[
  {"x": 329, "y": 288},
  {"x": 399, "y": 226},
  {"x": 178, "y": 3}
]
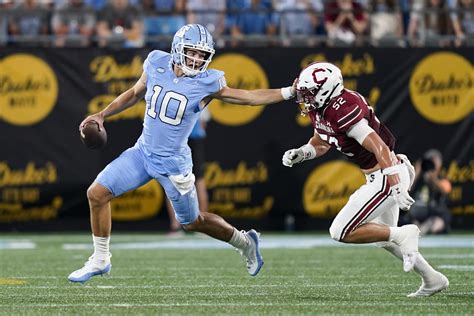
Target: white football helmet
[{"x": 317, "y": 84}]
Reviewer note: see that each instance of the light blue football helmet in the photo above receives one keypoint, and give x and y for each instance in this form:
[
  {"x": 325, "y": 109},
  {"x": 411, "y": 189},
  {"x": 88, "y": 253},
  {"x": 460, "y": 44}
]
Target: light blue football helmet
[{"x": 192, "y": 36}]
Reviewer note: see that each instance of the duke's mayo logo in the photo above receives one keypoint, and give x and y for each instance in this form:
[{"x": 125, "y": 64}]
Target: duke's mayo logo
[
  {"x": 442, "y": 87},
  {"x": 142, "y": 203},
  {"x": 117, "y": 78},
  {"x": 241, "y": 72},
  {"x": 232, "y": 191},
  {"x": 329, "y": 187},
  {"x": 28, "y": 89},
  {"x": 22, "y": 192}
]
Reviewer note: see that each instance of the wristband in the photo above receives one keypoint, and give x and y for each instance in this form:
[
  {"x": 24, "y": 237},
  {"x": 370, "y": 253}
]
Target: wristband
[
  {"x": 286, "y": 93},
  {"x": 309, "y": 152},
  {"x": 392, "y": 170}
]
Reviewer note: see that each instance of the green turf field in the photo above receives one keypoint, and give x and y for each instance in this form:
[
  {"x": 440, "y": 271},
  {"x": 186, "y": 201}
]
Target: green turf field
[{"x": 207, "y": 277}]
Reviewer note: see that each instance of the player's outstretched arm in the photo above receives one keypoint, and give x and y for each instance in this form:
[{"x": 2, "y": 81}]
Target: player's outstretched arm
[
  {"x": 316, "y": 147},
  {"x": 255, "y": 97},
  {"x": 122, "y": 102}
]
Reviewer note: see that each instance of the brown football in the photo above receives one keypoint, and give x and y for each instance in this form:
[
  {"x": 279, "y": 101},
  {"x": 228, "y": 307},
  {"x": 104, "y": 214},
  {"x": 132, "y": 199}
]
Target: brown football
[{"x": 92, "y": 137}]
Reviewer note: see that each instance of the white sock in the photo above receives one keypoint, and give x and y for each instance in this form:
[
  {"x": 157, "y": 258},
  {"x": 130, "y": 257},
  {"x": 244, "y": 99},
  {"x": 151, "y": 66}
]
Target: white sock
[
  {"x": 395, "y": 235},
  {"x": 101, "y": 247},
  {"x": 422, "y": 267},
  {"x": 239, "y": 240}
]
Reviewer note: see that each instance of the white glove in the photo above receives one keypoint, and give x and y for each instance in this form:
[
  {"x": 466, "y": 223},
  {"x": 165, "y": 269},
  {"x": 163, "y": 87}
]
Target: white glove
[
  {"x": 401, "y": 196},
  {"x": 292, "y": 156},
  {"x": 411, "y": 170},
  {"x": 297, "y": 155}
]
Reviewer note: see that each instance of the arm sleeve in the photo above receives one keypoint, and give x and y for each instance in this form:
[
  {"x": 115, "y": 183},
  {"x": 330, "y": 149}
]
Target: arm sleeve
[{"x": 359, "y": 131}]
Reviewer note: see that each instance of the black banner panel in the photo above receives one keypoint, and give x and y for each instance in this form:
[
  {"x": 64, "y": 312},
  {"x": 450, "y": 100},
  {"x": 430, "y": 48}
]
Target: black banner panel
[{"x": 426, "y": 97}]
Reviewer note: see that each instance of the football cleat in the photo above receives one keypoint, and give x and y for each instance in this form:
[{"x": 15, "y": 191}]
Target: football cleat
[
  {"x": 91, "y": 268},
  {"x": 432, "y": 286},
  {"x": 252, "y": 253},
  {"x": 409, "y": 246}
]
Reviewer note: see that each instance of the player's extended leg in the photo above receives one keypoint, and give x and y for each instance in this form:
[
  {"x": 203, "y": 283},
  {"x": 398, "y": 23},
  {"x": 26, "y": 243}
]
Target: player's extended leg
[
  {"x": 406, "y": 237},
  {"x": 401, "y": 242},
  {"x": 185, "y": 204},
  {"x": 378, "y": 224},
  {"x": 246, "y": 242},
  {"x": 368, "y": 202},
  {"x": 432, "y": 281},
  {"x": 99, "y": 198},
  {"x": 123, "y": 174},
  {"x": 99, "y": 263}
]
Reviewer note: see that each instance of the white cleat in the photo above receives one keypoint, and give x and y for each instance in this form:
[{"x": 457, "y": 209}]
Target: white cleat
[
  {"x": 409, "y": 246},
  {"x": 432, "y": 286},
  {"x": 91, "y": 268},
  {"x": 252, "y": 253}
]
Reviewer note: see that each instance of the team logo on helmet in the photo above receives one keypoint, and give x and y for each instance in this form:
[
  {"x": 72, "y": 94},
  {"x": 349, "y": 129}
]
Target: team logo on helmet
[{"x": 317, "y": 84}]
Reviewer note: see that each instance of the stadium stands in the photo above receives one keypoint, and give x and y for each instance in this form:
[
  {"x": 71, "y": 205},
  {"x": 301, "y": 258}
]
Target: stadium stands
[{"x": 403, "y": 23}]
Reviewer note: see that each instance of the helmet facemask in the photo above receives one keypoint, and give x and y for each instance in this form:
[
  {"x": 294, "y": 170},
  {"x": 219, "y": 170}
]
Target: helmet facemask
[
  {"x": 193, "y": 70},
  {"x": 306, "y": 99}
]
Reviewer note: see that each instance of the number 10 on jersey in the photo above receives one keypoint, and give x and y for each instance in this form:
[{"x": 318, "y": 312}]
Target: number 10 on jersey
[{"x": 172, "y": 120}]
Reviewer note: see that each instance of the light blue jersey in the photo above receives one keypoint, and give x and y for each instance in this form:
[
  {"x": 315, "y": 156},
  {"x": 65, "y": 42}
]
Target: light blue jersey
[
  {"x": 173, "y": 108},
  {"x": 173, "y": 104}
]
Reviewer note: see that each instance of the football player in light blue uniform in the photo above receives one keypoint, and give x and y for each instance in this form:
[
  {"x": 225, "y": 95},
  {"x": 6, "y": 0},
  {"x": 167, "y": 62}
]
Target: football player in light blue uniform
[{"x": 176, "y": 88}]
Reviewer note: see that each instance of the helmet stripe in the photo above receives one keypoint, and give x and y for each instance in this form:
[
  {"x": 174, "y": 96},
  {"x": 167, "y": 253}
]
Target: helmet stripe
[{"x": 201, "y": 31}]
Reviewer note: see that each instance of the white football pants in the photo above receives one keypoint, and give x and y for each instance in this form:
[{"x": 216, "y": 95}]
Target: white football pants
[{"x": 372, "y": 202}]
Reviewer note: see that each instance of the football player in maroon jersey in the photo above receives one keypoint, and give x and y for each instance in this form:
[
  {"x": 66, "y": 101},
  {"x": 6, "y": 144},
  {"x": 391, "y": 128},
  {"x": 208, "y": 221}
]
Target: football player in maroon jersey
[{"x": 342, "y": 119}]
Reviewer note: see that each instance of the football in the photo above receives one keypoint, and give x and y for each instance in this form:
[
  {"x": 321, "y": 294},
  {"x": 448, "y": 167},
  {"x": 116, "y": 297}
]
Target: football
[{"x": 91, "y": 137}]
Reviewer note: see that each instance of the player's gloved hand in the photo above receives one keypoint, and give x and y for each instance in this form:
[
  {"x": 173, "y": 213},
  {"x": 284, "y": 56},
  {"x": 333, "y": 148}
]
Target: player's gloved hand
[
  {"x": 404, "y": 200},
  {"x": 292, "y": 156},
  {"x": 297, "y": 155}
]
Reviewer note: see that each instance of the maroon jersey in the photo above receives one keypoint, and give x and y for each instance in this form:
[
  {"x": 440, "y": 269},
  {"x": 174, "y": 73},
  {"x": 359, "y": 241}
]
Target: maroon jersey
[{"x": 333, "y": 121}]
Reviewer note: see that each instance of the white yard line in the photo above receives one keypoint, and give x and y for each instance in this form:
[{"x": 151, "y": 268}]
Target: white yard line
[
  {"x": 80, "y": 286},
  {"x": 457, "y": 267},
  {"x": 450, "y": 256},
  {"x": 215, "y": 304},
  {"x": 17, "y": 244},
  {"x": 272, "y": 242}
]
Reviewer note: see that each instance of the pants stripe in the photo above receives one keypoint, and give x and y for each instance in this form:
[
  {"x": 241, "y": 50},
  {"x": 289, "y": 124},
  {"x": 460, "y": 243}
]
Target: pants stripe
[
  {"x": 367, "y": 209},
  {"x": 367, "y": 214}
]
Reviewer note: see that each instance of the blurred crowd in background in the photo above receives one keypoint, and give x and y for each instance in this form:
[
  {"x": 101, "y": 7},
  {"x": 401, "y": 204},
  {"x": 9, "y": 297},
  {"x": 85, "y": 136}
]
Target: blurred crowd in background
[{"x": 138, "y": 23}]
